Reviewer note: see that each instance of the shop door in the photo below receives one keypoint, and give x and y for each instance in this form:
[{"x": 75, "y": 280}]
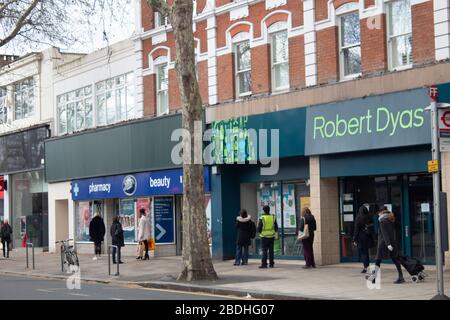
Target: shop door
[{"x": 421, "y": 222}]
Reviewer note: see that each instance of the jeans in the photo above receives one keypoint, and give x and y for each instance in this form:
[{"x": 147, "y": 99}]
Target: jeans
[
  {"x": 364, "y": 255},
  {"x": 241, "y": 255},
  {"x": 114, "y": 251},
  {"x": 98, "y": 248},
  {"x": 308, "y": 252},
  {"x": 267, "y": 245},
  {"x": 6, "y": 244}
]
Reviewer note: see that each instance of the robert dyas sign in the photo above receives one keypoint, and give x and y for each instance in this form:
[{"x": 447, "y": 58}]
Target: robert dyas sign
[{"x": 391, "y": 120}]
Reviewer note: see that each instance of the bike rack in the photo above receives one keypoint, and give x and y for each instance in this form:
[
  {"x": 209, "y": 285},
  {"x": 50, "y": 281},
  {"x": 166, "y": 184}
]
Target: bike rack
[
  {"x": 109, "y": 260},
  {"x": 30, "y": 244}
]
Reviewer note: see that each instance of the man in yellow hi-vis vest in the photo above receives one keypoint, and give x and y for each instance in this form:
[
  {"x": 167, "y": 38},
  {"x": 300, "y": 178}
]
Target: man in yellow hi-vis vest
[{"x": 267, "y": 228}]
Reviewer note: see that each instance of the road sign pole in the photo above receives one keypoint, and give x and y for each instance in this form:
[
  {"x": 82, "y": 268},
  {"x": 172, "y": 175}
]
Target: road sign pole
[{"x": 436, "y": 191}]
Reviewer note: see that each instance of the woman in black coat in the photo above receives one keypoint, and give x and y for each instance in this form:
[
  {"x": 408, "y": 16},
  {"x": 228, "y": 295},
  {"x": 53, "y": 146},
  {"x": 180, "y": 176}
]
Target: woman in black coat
[
  {"x": 117, "y": 239},
  {"x": 307, "y": 219},
  {"x": 97, "y": 232},
  {"x": 246, "y": 230},
  {"x": 362, "y": 236},
  {"x": 387, "y": 244}
]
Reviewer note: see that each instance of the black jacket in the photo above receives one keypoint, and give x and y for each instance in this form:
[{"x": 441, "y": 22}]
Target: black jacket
[
  {"x": 6, "y": 232},
  {"x": 245, "y": 229},
  {"x": 117, "y": 234},
  {"x": 311, "y": 222},
  {"x": 97, "y": 229},
  {"x": 363, "y": 234},
  {"x": 386, "y": 235},
  {"x": 260, "y": 224}
]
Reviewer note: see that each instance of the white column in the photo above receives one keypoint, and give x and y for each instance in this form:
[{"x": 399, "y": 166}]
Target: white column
[
  {"x": 441, "y": 29},
  {"x": 310, "y": 43},
  {"x": 212, "y": 60}
]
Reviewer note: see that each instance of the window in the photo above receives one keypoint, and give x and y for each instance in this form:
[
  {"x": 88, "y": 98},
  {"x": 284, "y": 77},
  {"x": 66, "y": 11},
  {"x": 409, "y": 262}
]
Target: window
[
  {"x": 350, "y": 45},
  {"x": 24, "y": 99},
  {"x": 280, "y": 61},
  {"x": 243, "y": 68},
  {"x": 3, "y": 109},
  {"x": 114, "y": 99},
  {"x": 162, "y": 88},
  {"x": 75, "y": 110},
  {"x": 160, "y": 21},
  {"x": 400, "y": 34}
]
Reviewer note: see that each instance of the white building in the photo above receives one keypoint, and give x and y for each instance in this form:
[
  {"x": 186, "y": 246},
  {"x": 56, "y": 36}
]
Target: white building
[{"x": 26, "y": 119}]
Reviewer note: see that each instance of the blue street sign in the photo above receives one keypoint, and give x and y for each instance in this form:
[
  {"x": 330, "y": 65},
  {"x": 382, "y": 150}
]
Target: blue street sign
[
  {"x": 165, "y": 182},
  {"x": 164, "y": 220}
]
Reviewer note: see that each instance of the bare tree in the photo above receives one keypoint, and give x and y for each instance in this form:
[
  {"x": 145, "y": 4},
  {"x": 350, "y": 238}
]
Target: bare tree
[
  {"x": 26, "y": 24},
  {"x": 197, "y": 262}
]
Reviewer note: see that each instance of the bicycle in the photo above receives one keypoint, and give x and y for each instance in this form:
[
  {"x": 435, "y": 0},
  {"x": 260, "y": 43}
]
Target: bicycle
[{"x": 69, "y": 254}]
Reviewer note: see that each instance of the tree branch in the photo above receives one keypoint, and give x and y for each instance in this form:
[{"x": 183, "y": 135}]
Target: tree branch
[
  {"x": 21, "y": 22},
  {"x": 161, "y": 6}
]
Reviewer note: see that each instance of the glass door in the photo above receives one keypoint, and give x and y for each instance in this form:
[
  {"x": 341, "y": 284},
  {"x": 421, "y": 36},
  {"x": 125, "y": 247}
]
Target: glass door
[{"x": 421, "y": 220}]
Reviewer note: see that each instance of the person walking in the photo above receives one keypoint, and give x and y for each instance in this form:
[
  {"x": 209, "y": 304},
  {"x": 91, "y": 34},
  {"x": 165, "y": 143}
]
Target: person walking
[
  {"x": 246, "y": 231},
  {"x": 145, "y": 232},
  {"x": 308, "y": 221},
  {"x": 97, "y": 232},
  {"x": 117, "y": 239},
  {"x": 362, "y": 236},
  {"x": 387, "y": 245},
  {"x": 6, "y": 235},
  {"x": 267, "y": 228}
]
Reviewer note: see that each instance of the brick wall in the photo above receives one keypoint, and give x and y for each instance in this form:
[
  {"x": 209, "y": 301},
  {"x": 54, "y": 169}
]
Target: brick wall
[
  {"x": 423, "y": 32},
  {"x": 297, "y": 61},
  {"x": 321, "y": 10},
  {"x": 149, "y": 95},
  {"x": 373, "y": 44},
  {"x": 225, "y": 79},
  {"x": 327, "y": 55},
  {"x": 260, "y": 69}
]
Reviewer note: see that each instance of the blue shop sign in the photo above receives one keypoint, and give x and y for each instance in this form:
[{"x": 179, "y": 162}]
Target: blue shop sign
[{"x": 165, "y": 182}]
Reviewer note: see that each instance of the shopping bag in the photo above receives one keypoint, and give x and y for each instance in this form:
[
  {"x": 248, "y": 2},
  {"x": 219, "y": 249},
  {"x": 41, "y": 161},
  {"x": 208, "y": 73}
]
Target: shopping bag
[
  {"x": 140, "y": 249},
  {"x": 151, "y": 244},
  {"x": 302, "y": 235}
]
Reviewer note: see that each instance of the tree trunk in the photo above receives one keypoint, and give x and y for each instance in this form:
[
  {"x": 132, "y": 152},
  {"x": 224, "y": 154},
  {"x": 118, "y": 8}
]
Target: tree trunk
[{"x": 197, "y": 262}]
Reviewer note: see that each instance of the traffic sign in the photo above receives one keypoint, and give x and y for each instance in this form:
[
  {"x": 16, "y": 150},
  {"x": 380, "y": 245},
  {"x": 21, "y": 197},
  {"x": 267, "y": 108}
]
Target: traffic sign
[
  {"x": 444, "y": 129},
  {"x": 433, "y": 166},
  {"x": 433, "y": 93}
]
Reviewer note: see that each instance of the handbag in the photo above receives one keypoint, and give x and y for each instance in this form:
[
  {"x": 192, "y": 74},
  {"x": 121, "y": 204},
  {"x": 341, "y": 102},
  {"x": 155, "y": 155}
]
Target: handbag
[
  {"x": 140, "y": 249},
  {"x": 302, "y": 235}
]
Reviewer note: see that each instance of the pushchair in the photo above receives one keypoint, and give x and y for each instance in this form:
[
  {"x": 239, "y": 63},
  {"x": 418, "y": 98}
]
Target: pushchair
[{"x": 414, "y": 268}]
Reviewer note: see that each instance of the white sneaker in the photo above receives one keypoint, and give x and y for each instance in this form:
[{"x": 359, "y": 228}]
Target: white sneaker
[{"x": 94, "y": 258}]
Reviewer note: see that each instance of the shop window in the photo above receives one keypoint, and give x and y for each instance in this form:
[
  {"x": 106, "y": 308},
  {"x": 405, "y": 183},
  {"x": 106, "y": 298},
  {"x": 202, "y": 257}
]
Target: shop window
[
  {"x": 280, "y": 61},
  {"x": 243, "y": 68},
  {"x": 350, "y": 45},
  {"x": 85, "y": 211},
  {"x": 3, "y": 109},
  {"x": 162, "y": 89},
  {"x": 399, "y": 34},
  {"x": 24, "y": 99}
]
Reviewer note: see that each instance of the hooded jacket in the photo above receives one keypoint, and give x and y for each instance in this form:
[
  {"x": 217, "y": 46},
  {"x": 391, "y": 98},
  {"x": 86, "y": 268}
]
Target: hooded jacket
[
  {"x": 117, "y": 234},
  {"x": 97, "y": 229},
  {"x": 386, "y": 234},
  {"x": 245, "y": 228}
]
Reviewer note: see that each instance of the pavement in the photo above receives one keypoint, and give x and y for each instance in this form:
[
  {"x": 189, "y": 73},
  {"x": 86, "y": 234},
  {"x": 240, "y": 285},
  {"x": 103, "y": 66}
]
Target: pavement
[{"x": 286, "y": 281}]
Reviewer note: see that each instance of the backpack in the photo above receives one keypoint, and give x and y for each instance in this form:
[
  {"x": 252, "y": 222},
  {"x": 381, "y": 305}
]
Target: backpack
[{"x": 252, "y": 230}]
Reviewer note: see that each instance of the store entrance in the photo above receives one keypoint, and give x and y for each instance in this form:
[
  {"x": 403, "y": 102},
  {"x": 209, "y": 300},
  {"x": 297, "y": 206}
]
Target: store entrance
[{"x": 410, "y": 198}]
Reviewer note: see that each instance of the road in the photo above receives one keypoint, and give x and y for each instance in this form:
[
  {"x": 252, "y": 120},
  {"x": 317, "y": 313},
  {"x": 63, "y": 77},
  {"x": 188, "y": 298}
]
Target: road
[{"x": 27, "y": 288}]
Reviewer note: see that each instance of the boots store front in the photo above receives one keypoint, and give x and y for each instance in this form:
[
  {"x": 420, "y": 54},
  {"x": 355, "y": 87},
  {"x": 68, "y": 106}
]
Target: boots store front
[
  {"x": 117, "y": 170},
  {"x": 376, "y": 151}
]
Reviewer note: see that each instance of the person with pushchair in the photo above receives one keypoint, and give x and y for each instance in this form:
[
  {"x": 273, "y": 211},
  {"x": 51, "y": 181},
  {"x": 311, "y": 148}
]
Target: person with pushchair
[{"x": 387, "y": 245}]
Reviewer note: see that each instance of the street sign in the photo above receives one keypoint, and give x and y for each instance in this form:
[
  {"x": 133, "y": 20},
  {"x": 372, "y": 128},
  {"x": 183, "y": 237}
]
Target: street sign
[
  {"x": 433, "y": 166},
  {"x": 444, "y": 129},
  {"x": 433, "y": 93}
]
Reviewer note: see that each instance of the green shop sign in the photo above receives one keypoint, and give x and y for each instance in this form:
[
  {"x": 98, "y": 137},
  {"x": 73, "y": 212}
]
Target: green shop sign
[{"x": 391, "y": 120}]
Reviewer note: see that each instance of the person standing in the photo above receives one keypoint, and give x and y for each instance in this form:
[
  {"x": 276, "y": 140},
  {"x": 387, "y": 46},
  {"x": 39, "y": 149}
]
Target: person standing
[
  {"x": 117, "y": 239},
  {"x": 97, "y": 232},
  {"x": 246, "y": 230},
  {"x": 362, "y": 236},
  {"x": 145, "y": 231},
  {"x": 6, "y": 234},
  {"x": 387, "y": 245},
  {"x": 308, "y": 221},
  {"x": 267, "y": 228}
]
